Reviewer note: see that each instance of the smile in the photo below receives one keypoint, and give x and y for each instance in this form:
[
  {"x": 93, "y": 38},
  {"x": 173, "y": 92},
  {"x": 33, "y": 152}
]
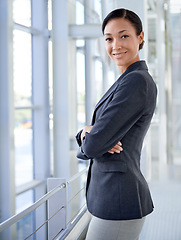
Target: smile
[{"x": 118, "y": 55}]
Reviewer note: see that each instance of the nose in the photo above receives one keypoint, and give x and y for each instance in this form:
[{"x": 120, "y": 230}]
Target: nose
[{"x": 116, "y": 44}]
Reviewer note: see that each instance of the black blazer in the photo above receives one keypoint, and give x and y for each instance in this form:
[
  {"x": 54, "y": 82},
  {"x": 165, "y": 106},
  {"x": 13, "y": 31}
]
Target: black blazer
[{"x": 116, "y": 188}]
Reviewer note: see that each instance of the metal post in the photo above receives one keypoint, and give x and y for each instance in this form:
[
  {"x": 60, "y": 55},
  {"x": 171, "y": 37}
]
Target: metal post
[
  {"x": 168, "y": 74},
  {"x": 88, "y": 68},
  {"x": 40, "y": 93},
  {"x": 40, "y": 90},
  {"x": 56, "y": 208},
  {"x": 161, "y": 84},
  {"x": 7, "y": 170},
  {"x": 72, "y": 80},
  {"x": 60, "y": 88}
]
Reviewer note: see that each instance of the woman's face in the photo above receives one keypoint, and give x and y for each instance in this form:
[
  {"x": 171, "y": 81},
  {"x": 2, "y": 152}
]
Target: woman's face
[{"x": 122, "y": 43}]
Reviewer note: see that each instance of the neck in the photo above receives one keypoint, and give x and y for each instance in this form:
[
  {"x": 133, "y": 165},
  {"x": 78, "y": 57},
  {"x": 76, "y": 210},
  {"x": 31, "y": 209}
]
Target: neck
[{"x": 123, "y": 68}]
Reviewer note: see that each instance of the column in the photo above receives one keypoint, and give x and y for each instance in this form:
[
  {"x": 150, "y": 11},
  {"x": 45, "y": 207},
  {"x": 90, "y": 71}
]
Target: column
[
  {"x": 7, "y": 171},
  {"x": 161, "y": 84},
  {"x": 40, "y": 94},
  {"x": 61, "y": 90},
  {"x": 89, "y": 80}
]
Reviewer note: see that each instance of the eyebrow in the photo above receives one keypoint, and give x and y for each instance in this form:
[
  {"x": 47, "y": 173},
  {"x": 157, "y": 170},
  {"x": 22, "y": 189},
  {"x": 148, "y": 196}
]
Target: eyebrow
[{"x": 118, "y": 32}]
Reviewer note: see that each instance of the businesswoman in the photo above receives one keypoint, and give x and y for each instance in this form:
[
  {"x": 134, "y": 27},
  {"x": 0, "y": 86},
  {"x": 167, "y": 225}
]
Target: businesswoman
[{"x": 117, "y": 194}]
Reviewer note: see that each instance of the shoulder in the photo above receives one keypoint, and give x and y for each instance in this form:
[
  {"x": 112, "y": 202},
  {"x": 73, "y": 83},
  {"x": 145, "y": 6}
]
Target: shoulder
[
  {"x": 137, "y": 76},
  {"x": 135, "y": 79}
]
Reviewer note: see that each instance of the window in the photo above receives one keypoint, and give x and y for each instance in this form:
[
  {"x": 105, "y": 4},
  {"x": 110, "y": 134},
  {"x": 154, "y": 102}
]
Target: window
[
  {"x": 175, "y": 7},
  {"x": 80, "y": 65},
  {"x": 22, "y": 69},
  {"x": 32, "y": 89},
  {"x": 22, "y": 12}
]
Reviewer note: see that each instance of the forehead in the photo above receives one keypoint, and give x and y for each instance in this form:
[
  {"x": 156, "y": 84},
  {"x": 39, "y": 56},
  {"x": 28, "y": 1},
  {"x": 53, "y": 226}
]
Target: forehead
[{"x": 118, "y": 24}]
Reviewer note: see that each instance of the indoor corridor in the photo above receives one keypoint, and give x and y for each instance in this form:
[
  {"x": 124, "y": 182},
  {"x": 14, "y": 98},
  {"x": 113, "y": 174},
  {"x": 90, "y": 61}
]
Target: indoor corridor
[
  {"x": 54, "y": 69},
  {"x": 165, "y": 221}
]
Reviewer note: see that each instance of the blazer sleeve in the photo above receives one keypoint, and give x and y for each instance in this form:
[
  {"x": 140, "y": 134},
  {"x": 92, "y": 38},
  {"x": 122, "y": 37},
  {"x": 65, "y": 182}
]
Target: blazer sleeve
[
  {"x": 80, "y": 153},
  {"x": 122, "y": 112}
]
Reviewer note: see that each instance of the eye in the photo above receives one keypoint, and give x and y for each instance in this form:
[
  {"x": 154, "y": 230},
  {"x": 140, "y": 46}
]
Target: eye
[
  {"x": 108, "y": 39},
  {"x": 124, "y": 36}
]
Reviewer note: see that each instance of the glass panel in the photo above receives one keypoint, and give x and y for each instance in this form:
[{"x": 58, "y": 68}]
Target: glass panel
[
  {"x": 98, "y": 11},
  {"x": 50, "y": 14},
  {"x": 23, "y": 136},
  {"x": 22, "y": 229},
  {"x": 28, "y": 227},
  {"x": 50, "y": 61},
  {"x": 22, "y": 12},
  {"x": 79, "y": 13},
  {"x": 75, "y": 197},
  {"x": 99, "y": 80},
  {"x": 175, "y": 7},
  {"x": 80, "y": 65},
  {"x": 22, "y": 68},
  {"x": 50, "y": 70},
  {"x": 25, "y": 225},
  {"x": 24, "y": 200}
]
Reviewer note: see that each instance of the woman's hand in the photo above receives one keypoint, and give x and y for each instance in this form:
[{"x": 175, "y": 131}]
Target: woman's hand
[
  {"x": 86, "y": 129},
  {"x": 116, "y": 149}
]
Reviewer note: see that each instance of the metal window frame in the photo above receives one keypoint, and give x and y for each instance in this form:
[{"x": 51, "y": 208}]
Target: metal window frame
[
  {"x": 40, "y": 109},
  {"x": 7, "y": 170}
]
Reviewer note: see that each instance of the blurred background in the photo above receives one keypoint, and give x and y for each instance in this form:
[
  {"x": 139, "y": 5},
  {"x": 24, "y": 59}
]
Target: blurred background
[{"x": 53, "y": 70}]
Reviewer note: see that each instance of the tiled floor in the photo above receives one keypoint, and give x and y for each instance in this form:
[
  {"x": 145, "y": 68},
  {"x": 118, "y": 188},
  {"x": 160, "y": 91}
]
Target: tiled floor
[{"x": 165, "y": 222}]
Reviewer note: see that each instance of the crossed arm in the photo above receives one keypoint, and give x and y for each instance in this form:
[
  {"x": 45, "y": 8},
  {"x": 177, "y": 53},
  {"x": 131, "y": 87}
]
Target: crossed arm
[
  {"x": 116, "y": 149},
  {"x": 125, "y": 108}
]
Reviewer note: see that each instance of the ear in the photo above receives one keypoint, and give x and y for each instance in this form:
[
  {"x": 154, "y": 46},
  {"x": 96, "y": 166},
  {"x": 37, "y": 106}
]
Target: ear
[{"x": 141, "y": 37}]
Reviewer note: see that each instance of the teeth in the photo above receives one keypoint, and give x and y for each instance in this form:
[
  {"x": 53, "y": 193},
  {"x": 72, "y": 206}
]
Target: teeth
[{"x": 119, "y": 54}]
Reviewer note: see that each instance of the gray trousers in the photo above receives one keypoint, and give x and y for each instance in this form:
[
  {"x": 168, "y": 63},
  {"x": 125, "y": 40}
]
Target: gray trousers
[{"x": 100, "y": 229}]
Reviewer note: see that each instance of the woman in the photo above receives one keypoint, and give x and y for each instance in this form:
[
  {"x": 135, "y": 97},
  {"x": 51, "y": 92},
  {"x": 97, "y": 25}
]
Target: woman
[{"x": 117, "y": 194}]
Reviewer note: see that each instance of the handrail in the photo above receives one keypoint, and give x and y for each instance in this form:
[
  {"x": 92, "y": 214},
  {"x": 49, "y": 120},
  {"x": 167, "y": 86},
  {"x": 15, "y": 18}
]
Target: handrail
[
  {"x": 7, "y": 223},
  {"x": 20, "y": 215},
  {"x": 77, "y": 175},
  {"x": 27, "y": 186}
]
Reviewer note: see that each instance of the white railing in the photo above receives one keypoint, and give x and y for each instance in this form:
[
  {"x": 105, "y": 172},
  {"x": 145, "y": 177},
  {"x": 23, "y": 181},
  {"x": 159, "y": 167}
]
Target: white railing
[{"x": 62, "y": 219}]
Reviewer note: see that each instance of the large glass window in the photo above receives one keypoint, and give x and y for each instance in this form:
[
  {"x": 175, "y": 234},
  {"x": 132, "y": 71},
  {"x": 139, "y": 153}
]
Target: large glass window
[
  {"x": 22, "y": 75},
  {"x": 175, "y": 7},
  {"x": 24, "y": 201},
  {"x": 23, "y": 136},
  {"x": 22, "y": 68},
  {"x": 23, "y": 126},
  {"x": 79, "y": 13},
  {"x": 80, "y": 63},
  {"x": 80, "y": 69},
  {"x": 22, "y": 12},
  {"x": 30, "y": 105}
]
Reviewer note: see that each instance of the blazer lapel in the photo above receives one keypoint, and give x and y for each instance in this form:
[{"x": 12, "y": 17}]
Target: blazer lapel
[
  {"x": 106, "y": 95},
  {"x": 140, "y": 65}
]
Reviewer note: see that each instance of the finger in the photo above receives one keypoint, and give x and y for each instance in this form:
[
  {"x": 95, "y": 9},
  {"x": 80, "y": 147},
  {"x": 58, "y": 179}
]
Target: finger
[
  {"x": 117, "y": 148},
  {"x": 119, "y": 143},
  {"x": 112, "y": 152}
]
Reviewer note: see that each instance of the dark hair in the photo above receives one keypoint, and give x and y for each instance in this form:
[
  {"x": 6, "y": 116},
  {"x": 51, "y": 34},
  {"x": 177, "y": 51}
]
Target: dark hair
[{"x": 128, "y": 15}]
